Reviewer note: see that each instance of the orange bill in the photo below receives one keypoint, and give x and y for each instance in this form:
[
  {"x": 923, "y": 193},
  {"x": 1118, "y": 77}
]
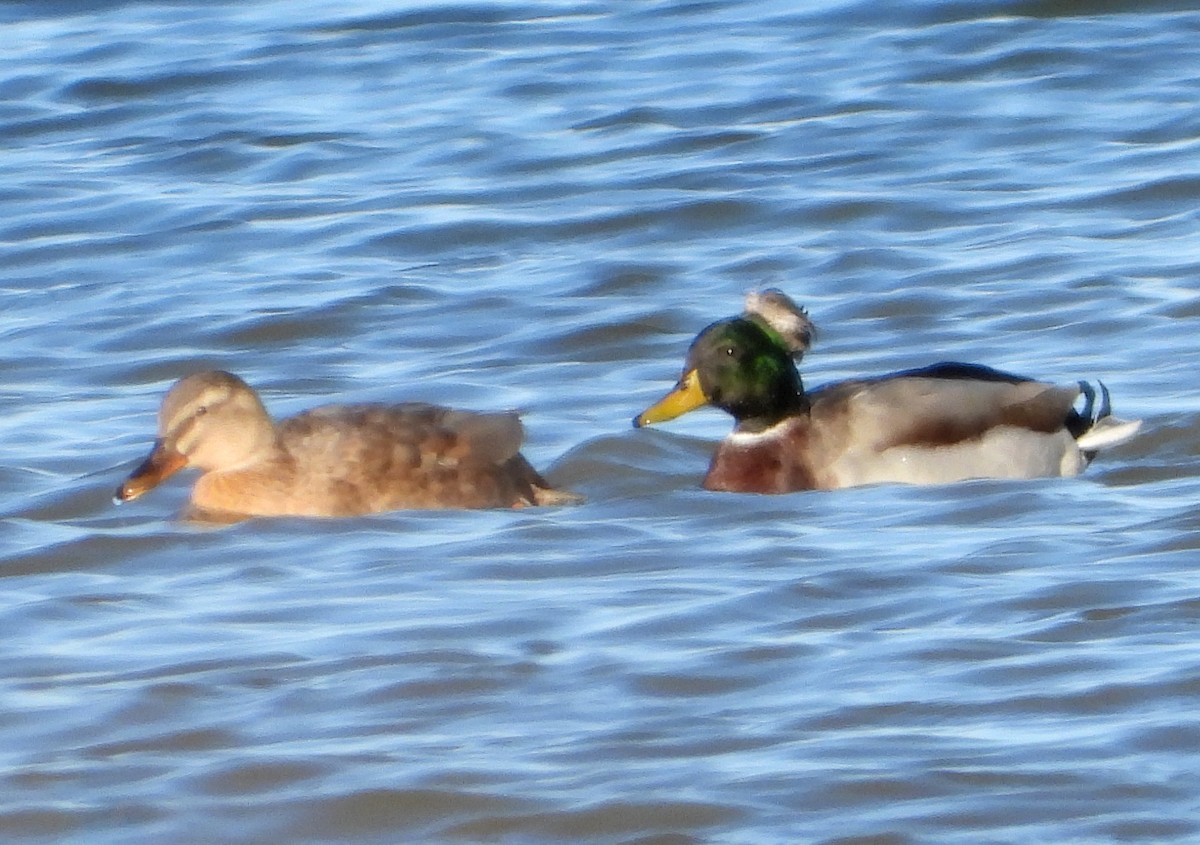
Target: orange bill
[
  {"x": 162, "y": 463},
  {"x": 687, "y": 396}
]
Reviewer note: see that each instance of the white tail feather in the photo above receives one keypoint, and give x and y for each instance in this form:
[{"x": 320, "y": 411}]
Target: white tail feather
[{"x": 1108, "y": 431}]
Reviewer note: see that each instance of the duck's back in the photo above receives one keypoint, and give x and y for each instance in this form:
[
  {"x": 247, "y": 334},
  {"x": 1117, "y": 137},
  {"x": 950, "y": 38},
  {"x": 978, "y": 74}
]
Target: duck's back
[{"x": 369, "y": 458}]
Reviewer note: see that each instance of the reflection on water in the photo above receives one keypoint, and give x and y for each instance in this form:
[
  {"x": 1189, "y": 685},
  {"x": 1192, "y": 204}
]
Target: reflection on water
[{"x": 536, "y": 207}]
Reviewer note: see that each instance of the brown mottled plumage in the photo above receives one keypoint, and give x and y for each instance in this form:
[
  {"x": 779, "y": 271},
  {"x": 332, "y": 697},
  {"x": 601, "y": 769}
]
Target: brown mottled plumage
[{"x": 334, "y": 460}]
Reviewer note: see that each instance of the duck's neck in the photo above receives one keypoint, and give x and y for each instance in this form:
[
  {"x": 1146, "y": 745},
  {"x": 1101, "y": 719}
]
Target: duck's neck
[{"x": 779, "y": 406}]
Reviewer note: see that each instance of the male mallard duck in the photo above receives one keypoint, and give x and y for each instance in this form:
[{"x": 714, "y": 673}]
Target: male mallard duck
[
  {"x": 334, "y": 460},
  {"x": 947, "y": 422}
]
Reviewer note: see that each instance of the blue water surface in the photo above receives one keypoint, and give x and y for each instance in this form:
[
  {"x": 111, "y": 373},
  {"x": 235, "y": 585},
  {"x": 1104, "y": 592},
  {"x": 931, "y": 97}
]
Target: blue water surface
[{"x": 536, "y": 205}]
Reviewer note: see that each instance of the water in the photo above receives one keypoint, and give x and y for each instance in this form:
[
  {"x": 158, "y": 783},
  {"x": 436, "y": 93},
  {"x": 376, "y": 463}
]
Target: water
[{"x": 537, "y": 205}]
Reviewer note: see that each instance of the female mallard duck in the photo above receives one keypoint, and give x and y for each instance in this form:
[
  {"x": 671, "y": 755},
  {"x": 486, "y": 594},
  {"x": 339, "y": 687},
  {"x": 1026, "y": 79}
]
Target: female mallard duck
[
  {"x": 947, "y": 422},
  {"x": 334, "y": 460}
]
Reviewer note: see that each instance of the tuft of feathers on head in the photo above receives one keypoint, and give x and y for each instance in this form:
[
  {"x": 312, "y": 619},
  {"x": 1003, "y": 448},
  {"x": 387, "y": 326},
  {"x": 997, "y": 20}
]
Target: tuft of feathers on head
[{"x": 782, "y": 315}]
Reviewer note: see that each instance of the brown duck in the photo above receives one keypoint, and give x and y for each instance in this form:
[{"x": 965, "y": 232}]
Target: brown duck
[
  {"x": 947, "y": 422},
  {"x": 335, "y": 460}
]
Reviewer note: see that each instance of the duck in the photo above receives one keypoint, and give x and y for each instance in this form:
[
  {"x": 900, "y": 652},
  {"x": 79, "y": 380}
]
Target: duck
[
  {"x": 937, "y": 424},
  {"x": 334, "y": 460}
]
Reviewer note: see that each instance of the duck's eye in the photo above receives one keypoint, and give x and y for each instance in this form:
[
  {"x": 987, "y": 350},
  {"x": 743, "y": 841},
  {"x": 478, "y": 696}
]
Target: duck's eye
[
  {"x": 729, "y": 351},
  {"x": 202, "y": 410}
]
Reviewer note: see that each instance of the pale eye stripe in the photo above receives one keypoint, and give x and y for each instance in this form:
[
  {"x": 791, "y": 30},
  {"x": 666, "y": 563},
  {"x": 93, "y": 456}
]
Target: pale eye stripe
[{"x": 185, "y": 433}]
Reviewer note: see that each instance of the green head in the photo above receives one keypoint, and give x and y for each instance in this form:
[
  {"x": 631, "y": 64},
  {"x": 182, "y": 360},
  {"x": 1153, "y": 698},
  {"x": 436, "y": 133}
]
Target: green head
[{"x": 742, "y": 368}]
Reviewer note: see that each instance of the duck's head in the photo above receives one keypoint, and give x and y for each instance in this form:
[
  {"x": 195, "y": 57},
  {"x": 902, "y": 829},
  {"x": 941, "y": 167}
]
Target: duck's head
[
  {"x": 740, "y": 366},
  {"x": 211, "y": 421}
]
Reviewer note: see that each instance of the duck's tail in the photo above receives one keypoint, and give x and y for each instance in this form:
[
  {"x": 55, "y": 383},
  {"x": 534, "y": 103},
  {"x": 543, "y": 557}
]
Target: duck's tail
[
  {"x": 536, "y": 491},
  {"x": 1100, "y": 429},
  {"x": 548, "y": 496}
]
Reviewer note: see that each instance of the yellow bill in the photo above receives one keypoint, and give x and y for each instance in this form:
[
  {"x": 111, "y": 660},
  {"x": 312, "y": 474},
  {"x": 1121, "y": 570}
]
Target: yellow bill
[
  {"x": 687, "y": 396},
  {"x": 161, "y": 464}
]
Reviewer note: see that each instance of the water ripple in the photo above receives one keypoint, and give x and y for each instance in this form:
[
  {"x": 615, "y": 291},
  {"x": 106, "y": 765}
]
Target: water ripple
[{"x": 537, "y": 206}]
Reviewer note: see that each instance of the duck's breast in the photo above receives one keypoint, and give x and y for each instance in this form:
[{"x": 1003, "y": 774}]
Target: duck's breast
[{"x": 778, "y": 460}]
